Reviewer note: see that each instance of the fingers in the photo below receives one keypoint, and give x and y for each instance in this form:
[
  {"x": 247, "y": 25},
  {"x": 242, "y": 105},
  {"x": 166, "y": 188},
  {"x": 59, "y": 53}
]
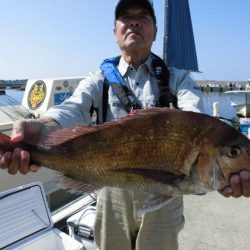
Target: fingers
[
  {"x": 24, "y": 162},
  {"x": 34, "y": 168},
  {"x": 235, "y": 183},
  {"x": 5, "y": 160},
  {"x": 245, "y": 183},
  {"x": 17, "y": 133},
  {"x": 15, "y": 163},
  {"x": 239, "y": 185},
  {"x": 19, "y": 160},
  {"x": 25, "y": 130},
  {"x": 234, "y": 189},
  {"x": 227, "y": 192}
]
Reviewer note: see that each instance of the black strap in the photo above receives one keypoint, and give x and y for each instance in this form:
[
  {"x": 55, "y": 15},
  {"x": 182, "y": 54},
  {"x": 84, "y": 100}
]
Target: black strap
[
  {"x": 123, "y": 93},
  {"x": 166, "y": 99},
  {"x": 127, "y": 98},
  {"x": 105, "y": 101}
]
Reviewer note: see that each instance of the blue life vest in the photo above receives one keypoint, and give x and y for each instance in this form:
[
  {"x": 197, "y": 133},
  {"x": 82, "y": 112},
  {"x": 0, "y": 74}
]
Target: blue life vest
[
  {"x": 119, "y": 87},
  {"x": 110, "y": 71}
]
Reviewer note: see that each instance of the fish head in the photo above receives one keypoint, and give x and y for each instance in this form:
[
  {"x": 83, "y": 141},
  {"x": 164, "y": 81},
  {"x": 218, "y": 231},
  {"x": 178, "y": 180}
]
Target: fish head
[
  {"x": 234, "y": 155},
  {"x": 224, "y": 151}
]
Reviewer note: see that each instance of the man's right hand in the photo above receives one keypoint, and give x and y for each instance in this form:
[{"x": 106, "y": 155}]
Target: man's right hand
[{"x": 30, "y": 131}]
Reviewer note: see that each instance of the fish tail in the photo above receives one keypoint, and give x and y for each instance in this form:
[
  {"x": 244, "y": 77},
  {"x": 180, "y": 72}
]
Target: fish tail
[{"x": 5, "y": 143}]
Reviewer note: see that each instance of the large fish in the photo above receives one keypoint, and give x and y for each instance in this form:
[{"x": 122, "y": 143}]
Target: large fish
[{"x": 159, "y": 150}]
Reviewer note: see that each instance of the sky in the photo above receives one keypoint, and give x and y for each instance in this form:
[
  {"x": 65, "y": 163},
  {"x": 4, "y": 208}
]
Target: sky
[{"x": 66, "y": 38}]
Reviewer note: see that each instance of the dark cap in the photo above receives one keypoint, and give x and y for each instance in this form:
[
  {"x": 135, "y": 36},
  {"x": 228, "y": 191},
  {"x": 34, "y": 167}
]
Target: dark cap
[{"x": 122, "y": 4}]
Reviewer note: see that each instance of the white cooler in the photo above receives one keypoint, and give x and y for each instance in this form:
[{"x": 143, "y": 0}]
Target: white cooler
[{"x": 25, "y": 222}]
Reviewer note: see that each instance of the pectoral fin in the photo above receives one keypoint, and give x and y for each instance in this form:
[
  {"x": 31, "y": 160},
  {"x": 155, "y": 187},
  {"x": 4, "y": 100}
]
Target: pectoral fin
[
  {"x": 160, "y": 176},
  {"x": 152, "y": 203}
]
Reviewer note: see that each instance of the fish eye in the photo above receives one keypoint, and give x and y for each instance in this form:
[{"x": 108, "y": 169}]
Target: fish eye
[{"x": 234, "y": 152}]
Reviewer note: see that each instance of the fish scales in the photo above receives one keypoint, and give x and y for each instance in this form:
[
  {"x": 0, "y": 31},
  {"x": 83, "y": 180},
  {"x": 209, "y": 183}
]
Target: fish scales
[
  {"x": 157, "y": 150},
  {"x": 122, "y": 151}
]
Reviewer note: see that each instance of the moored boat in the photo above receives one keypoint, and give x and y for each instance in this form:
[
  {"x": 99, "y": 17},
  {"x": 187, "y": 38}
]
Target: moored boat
[
  {"x": 240, "y": 100},
  {"x": 39, "y": 95}
]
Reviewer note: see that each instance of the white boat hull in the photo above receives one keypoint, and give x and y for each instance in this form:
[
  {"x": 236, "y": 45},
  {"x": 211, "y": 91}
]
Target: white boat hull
[
  {"x": 39, "y": 95},
  {"x": 242, "y": 110},
  {"x": 240, "y": 100}
]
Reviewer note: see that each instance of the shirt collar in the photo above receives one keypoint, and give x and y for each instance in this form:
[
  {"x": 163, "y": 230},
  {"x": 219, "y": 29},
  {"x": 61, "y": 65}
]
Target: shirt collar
[{"x": 123, "y": 66}]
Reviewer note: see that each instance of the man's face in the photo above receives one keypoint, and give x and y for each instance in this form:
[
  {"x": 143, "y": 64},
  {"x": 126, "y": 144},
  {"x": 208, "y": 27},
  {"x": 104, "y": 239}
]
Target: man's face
[{"x": 135, "y": 29}]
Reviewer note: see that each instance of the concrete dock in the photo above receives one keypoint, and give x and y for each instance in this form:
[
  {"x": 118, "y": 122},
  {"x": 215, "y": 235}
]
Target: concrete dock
[{"x": 214, "y": 222}]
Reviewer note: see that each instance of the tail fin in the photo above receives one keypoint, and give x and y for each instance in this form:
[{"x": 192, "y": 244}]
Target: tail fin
[{"x": 5, "y": 143}]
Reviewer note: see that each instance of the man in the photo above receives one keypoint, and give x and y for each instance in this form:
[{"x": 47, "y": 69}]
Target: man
[{"x": 118, "y": 223}]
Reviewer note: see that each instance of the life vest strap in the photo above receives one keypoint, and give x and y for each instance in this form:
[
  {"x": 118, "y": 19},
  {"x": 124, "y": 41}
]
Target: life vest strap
[{"x": 114, "y": 79}]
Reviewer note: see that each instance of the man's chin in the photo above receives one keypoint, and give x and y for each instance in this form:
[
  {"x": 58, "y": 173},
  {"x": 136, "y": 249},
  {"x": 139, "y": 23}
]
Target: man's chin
[{"x": 133, "y": 44}]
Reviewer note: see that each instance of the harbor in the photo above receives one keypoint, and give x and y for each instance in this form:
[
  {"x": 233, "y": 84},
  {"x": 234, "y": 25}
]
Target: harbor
[
  {"x": 49, "y": 210},
  {"x": 13, "y": 84},
  {"x": 223, "y": 86},
  {"x": 223, "y": 228},
  {"x": 205, "y": 85}
]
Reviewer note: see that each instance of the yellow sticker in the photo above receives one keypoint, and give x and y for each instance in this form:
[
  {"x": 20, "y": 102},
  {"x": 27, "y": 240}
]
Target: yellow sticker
[{"x": 36, "y": 95}]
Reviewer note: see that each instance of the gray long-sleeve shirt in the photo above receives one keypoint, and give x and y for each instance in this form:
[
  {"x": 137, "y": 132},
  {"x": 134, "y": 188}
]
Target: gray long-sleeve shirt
[{"x": 76, "y": 109}]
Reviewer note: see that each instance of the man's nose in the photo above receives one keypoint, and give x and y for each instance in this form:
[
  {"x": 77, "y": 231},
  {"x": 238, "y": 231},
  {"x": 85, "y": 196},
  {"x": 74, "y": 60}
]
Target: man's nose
[{"x": 134, "y": 22}]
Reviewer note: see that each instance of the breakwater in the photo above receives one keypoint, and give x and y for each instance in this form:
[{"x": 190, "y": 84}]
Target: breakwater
[
  {"x": 13, "y": 84},
  {"x": 222, "y": 86},
  {"x": 206, "y": 85}
]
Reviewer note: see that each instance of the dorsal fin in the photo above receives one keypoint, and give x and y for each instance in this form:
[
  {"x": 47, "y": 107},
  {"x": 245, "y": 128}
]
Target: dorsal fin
[{"x": 63, "y": 135}]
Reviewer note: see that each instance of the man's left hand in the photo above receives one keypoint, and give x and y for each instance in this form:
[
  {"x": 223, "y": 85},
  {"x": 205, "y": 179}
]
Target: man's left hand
[{"x": 239, "y": 185}]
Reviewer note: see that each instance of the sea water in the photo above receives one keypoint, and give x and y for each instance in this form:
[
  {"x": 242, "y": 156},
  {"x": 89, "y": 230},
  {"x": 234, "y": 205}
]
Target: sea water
[
  {"x": 224, "y": 102},
  {"x": 209, "y": 98},
  {"x": 15, "y": 94}
]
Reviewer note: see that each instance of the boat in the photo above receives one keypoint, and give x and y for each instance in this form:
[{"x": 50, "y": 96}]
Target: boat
[
  {"x": 2, "y": 91},
  {"x": 240, "y": 100},
  {"x": 69, "y": 212},
  {"x": 39, "y": 95}
]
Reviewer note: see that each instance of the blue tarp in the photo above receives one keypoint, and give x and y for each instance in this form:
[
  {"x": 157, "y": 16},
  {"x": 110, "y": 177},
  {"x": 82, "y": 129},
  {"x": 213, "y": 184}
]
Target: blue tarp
[{"x": 179, "y": 44}]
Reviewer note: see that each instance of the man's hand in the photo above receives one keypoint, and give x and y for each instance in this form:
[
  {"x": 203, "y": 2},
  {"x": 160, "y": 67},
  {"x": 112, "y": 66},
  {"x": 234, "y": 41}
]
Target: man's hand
[
  {"x": 17, "y": 160},
  {"x": 30, "y": 131},
  {"x": 239, "y": 185}
]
